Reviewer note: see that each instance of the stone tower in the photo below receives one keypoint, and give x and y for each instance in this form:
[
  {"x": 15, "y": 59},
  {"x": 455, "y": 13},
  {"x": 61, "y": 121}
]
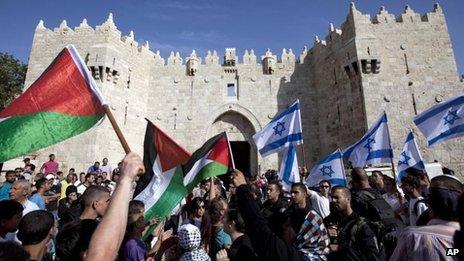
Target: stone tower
[{"x": 402, "y": 65}]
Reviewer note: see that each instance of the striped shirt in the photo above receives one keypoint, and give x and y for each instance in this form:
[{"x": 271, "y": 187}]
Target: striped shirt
[{"x": 427, "y": 242}]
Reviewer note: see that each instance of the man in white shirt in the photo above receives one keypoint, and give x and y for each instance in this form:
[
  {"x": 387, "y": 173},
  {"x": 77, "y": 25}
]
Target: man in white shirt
[
  {"x": 89, "y": 179},
  {"x": 411, "y": 187},
  {"x": 105, "y": 167},
  {"x": 320, "y": 200},
  {"x": 19, "y": 192}
]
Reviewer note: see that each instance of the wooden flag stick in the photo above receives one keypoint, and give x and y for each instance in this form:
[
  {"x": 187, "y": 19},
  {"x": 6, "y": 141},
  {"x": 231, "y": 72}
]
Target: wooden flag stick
[
  {"x": 212, "y": 190},
  {"x": 303, "y": 155},
  {"x": 116, "y": 128}
]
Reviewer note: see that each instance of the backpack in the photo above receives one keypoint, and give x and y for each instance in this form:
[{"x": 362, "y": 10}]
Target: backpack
[
  {"x": 379, "y": 211},
  {"x": 381, "y": 219},
  {"x": 354, "y": 227}
]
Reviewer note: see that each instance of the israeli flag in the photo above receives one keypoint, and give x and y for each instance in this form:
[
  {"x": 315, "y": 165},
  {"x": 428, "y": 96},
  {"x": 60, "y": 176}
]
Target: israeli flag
[
  {"x": 374, "y": 147},
  {"x": 284, "y": 130},
  {"x": 410, "y": 157},
  {"x": 330, "y": 168},
  {"x": 443, "y": 121},
  {"x": 289, "y": 172}
]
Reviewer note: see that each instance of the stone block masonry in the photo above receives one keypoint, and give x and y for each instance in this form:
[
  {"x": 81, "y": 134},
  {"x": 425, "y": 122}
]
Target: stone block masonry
[{"x": 401, "y": 64}]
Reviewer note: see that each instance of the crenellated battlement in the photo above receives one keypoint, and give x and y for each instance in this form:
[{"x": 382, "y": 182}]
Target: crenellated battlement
[
  {"x": 109, "y": 28},
  {"x": 401, "y": 63}
]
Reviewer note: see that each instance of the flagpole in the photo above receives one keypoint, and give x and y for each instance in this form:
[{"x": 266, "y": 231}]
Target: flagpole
[
  {"x": 389, "y": 141},
  {"x": 343, "y": 166},
  {"x": 303, "y": 154},
  {"x": 116, "y": 128},
  {"x": 230, "y": 152}
]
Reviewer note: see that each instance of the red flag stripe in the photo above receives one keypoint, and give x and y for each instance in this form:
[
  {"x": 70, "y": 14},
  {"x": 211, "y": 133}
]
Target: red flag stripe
[
  {"x": 170, "y": 153},
  {"x": 221, "y": 153},
  {"x": 61, "y": 88}
]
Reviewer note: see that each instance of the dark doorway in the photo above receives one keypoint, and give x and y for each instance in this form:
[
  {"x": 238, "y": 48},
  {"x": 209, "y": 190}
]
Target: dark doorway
[{"x": 241, "y": 152}]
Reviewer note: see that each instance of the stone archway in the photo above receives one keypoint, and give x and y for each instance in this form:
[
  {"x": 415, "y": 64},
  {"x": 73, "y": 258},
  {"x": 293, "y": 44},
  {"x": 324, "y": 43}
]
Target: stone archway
[{"x": 240, "y": 132}]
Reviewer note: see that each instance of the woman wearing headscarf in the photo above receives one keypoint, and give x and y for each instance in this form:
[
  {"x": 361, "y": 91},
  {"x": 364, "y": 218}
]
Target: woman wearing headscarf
[{"x": 190, "y": 243}]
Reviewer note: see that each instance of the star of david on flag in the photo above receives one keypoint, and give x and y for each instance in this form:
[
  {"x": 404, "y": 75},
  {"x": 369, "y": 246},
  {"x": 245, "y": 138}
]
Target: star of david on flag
[
  {"x": 330, "y": 168},
  {"x": 327, "y": 170},
  {"x": 410, "y": 157},
  {"x": 279, "y": 128},
  {"x": 283, "y": 131},
  {"x": 374, "y": 147},
  {"x": 443, "y": 121}
]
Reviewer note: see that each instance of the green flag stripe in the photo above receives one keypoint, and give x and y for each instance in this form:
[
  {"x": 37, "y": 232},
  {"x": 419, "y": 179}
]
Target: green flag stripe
[
  {"x": 211, "y": 169},
  {"x": 20, "y": 135},
  {"x": 173, "y": 194},
  {"x": 176, "y": 191}
]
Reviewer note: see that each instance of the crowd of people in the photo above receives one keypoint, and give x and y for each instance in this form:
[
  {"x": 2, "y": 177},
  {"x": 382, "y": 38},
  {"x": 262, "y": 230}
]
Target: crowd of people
[{"x": 47, "y": 215}]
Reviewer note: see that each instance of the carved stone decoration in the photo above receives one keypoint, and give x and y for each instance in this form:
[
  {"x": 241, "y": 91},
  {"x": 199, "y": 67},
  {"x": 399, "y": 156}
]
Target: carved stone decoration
[{"x": 439, "y": 98}]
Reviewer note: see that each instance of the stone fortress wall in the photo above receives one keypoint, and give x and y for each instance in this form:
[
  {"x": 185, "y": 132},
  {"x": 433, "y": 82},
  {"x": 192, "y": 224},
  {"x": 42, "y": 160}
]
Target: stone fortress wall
[{"x": 402, "y": 65}]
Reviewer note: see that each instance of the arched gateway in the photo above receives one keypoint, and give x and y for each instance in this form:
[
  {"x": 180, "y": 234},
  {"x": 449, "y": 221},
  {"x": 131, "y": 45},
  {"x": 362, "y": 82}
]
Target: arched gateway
[{"x": 240, "y": 126}]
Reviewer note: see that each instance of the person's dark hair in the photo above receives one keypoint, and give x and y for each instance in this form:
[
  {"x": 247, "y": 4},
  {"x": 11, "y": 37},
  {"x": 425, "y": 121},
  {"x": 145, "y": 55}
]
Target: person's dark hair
[
  {"x": 206, "y": 230},
  {"x": 359, "y": 174},
  {"x": 51, "y": 155},
  {"x": 93, "y": 193},
  {"x": 72, "y": 169},
  {"x": 415, "y": 172},
  {"x": 87, "y": 176},
  {"x": 215, "y": 207},
  {"x": 39, "y": 183},
  {"x": 276, "y": 184},
  {"x": 135, "y": 208},
  {"x": 234, "y": 215},
  {"x": 96, "y": 162},
  {"x": 301, "y": 186},
  {"x": 411, "y": 180},
  {"x": 32, "y": 166},
  {"x": 70, "y": 189},
  {"x": 443, "y": 198},
  {"x": 325, "y": 181},
  {"x": 74, "y": 238},
  {"x": 9, "y": 208},
  {"x": 9, "y": 172},
  {"x": 194, "y": 205},
  {"x": 345, "y": 190},
  {"x": 447, "y": 171},
  {"x": 10, "y": 250},
  {"x": 35, "y": 226}
]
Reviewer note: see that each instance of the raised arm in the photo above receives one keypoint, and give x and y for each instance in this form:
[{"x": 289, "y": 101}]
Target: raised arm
[{"x": 109, "y": 234}]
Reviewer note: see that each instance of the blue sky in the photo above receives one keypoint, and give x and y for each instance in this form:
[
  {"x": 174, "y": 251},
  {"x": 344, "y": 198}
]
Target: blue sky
[{"x": 182, "y": 25}]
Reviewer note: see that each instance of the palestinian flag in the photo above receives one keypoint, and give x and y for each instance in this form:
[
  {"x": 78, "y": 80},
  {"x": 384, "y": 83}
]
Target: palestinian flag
[
  {"x": 162, "y": 187},
  {"x": 63, "y": 102},
  {"x": 214, "y": 158}
]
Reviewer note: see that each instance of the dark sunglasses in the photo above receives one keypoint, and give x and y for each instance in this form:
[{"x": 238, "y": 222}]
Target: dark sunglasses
[{"x": 325, "y": 186}]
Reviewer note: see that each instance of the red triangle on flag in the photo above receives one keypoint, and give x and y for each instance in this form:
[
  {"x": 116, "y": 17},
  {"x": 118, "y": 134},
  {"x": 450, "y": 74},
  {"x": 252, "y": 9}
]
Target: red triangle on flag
[{"x": 169, "y": 152}]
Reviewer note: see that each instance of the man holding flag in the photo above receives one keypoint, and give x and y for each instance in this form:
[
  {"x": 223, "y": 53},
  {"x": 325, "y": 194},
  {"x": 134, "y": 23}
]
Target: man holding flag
[{"x": 283, "y": 133}]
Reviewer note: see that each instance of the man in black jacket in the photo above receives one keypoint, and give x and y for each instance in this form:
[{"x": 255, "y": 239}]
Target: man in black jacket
[
  {"x": 356, "y": 240},
  {"x": 267, "y": 244},
  {"x": 274, "y": 207}
]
